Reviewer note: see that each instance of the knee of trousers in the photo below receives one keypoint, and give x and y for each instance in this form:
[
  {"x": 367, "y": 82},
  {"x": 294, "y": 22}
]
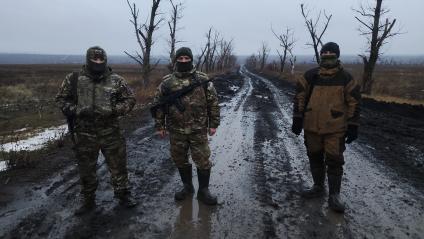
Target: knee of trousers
[
  {"x": 316, "y": 159},
  {"x": 204, "y": 164},
  {"x": 334, "y": 164}
]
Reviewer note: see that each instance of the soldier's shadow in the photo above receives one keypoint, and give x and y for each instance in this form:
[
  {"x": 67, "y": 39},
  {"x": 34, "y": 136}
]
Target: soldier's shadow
[{"x": 194, "y": 220}]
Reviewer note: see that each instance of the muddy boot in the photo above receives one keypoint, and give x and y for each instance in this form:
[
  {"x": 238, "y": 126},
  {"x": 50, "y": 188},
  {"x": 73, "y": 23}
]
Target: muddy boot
[
  {"x": 334, "y": 201},
  {"x": 317, "y": 190},
  {"x": 88, "y": 204},
  {"x": 127, "y": 200},
  {"x": 188, "y": 189},
  {"x": 203, "y": 193}
]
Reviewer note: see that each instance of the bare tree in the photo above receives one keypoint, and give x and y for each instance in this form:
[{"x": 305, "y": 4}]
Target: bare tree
[
  {"x": 377, "y": 31},
  {"x": 210, "y": 50},
  {"x": 144, "y": 33},
  {"x": 172, "y": 24},
  {"x": 251, "y": 62},
  {"x": 292, "y": 62},
  {"x": 200, "y": 58},
  {"x": 263, "y": 55},
  {"x": 225, "y": 54},
  {"x": 312, "y": 26},
  {"x": 287, "y": 43}
]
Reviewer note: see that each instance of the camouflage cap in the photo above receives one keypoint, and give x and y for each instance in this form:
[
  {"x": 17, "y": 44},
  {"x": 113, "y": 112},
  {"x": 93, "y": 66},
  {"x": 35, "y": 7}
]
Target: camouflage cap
[
  {"x": 96, "y": 52},
  {"x": 184, "y": 51}
]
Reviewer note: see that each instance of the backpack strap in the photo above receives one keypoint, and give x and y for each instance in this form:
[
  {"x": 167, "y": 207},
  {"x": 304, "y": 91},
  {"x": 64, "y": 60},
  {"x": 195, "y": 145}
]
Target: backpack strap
[
  {"x": 204, "y": 86},
  {"x": 74, "y": 86}
]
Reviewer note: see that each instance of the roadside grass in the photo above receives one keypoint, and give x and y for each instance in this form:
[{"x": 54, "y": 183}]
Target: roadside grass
[{"x": 403, "y": 84}]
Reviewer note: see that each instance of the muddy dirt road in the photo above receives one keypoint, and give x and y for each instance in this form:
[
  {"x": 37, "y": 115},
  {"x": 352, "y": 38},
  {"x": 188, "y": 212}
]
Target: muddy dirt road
[{"x": 259, "y": 167}]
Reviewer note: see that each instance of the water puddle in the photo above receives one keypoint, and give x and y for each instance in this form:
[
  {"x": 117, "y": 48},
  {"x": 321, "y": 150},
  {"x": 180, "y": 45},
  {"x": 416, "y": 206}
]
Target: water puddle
[
  {"x": 37, "y": 141},
  {"x": 3, "y": 166}
]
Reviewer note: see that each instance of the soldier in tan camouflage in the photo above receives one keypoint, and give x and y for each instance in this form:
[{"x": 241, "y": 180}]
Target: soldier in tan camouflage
[
  {"x": 95, "y": 97},
  {"x": 189, "y": 128},
  {"x": 326, "y": 106}
]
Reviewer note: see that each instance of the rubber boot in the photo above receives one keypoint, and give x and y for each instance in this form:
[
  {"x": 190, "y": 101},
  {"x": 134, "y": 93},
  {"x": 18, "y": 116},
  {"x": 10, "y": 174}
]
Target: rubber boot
[
  {"x": 186, "y": 175},
  {"x": 317, "y": 190},
  {"x": 334, "y": 201},
  {"x": 127, "y": 200},
  {"x": 88, "y": 204},
  {"x": 203, "y": 193}
]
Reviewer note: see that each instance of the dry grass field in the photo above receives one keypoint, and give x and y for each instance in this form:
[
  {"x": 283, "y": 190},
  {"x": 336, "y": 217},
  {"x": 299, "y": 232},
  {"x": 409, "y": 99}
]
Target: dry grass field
[
  {"x": 393, "y": 83},
  {"x": 27, "y": 93}
]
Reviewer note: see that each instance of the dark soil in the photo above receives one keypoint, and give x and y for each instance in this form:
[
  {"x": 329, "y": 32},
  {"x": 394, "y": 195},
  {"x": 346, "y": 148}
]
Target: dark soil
[{"x": 259, "y": 166}]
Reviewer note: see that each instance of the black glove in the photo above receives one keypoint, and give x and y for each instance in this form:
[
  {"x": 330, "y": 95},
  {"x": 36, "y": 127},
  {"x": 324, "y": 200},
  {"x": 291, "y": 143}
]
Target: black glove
[
  {"x": 297, "y": 125},
  {"x": 351, "y": 133},
  {"x": 85, "y": 112},
  {"x": 69, "y": 110}
]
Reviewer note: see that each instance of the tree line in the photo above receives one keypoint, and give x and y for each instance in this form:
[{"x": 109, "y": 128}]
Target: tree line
[
  {"x": 374, "y": 26},
  {"x": 217, "y": 52}
]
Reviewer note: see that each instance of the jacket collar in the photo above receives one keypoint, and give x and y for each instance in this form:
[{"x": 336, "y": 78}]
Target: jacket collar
[
  {"x": 86, "y": 72},
  {"x": 185, "y": 74}
]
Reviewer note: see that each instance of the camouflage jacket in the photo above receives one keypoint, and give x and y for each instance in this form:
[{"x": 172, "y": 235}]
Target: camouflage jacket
[
  {"x": 333, "y": 102},
  {"x": 201, "y": 104},
  {"x": 98, "y": 100}
]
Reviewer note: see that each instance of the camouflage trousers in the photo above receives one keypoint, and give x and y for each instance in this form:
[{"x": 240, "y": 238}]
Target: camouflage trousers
[
  {"x": 326, "y": 150},
  {"x": 197, "y": 143},
  {"x": 111, "y": 143}
]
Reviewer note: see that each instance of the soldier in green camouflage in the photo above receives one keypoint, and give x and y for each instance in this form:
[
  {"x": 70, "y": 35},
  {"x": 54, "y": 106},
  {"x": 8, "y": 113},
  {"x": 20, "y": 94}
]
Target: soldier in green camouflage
[
  {"x": 188, "y": 129},
  {"x": 95, "y": 97}
]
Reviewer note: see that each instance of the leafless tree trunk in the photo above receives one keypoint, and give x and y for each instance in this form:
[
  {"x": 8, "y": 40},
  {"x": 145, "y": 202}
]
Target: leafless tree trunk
[
  {"x": 144, "y": 34},
  {"x": 312, "y": 26},
  {"x": 287, "y": 43},
  {"x": 292, "y": 62},
  {"x": 200, "y": 58},
  {"x": 377, "y": 32},
  {"x": 225, "y": 53},
  {"x": 209, "y": 57},
  {"x": 172, "y": 24},
  {"x": 263, "y": 55}
]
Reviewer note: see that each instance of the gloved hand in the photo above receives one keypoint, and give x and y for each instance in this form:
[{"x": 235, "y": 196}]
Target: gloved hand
[
  {"x": 351, "y": 133},
  {"x": 119, "y": 110},
  {"x": 85, "y": 112},
  {"x": 69, "y": 110},
  {"x": 297, "y": 125}
]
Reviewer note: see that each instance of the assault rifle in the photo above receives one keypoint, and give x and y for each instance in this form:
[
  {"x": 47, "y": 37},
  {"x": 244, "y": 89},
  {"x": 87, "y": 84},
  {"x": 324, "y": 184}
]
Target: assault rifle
[{"x": 174, "y": 98}]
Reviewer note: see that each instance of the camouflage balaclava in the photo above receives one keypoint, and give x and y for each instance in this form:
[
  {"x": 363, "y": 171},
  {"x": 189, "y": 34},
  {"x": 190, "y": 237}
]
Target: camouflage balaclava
[
  {"x": 184, "y": 66},
  {"x": 96, "y": 52},
  {"x": 328, "y": 61}
]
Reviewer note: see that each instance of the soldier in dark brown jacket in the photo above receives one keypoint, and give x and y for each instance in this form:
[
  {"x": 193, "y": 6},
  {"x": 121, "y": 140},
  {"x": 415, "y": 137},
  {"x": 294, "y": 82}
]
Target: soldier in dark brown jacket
[{"x": 326, "y": 106}]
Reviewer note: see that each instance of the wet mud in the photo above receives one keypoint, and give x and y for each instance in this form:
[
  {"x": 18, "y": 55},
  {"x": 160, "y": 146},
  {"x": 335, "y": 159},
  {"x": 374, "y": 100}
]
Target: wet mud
[{"x": 259, "y": 167}]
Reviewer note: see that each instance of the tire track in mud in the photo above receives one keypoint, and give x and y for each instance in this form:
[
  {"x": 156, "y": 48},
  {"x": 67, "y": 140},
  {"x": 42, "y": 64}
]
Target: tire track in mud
[
  {"x": 232, "y": 179},
  {"x": 380, "y": 204}
]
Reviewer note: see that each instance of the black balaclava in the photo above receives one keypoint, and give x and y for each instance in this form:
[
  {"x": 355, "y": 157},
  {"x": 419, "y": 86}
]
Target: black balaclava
[
  {"x": 95, "y": 68},
  {"x": 329, "y": 62},
  {"x": 184, "y": 66}
]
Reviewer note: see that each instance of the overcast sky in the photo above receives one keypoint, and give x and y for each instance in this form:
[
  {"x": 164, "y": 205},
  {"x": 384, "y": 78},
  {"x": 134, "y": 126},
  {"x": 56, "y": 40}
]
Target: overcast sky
[{"x": 70, "y": 27}]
